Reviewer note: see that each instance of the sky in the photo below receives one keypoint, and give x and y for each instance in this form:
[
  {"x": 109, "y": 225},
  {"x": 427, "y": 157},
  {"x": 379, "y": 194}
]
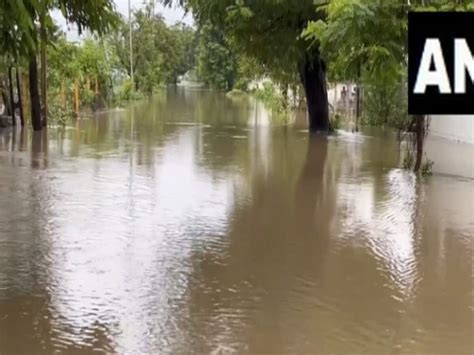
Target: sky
[{"x": 171, "y": 15}]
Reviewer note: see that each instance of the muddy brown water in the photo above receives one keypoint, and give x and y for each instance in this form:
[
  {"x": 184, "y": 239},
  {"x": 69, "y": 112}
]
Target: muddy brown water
[{"x": 199, "y": 224}]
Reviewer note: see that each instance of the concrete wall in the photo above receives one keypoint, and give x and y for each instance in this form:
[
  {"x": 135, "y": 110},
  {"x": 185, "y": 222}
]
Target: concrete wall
[
  {"x": 450, "y": 157},
  {"x": 458, "y": 128}
]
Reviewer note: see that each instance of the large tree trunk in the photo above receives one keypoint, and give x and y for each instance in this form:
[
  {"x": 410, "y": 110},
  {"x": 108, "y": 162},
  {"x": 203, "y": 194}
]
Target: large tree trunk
[
  {"x": 313, "y": 78},
  {"x": 358, "y": 107},
  {"x": 44, "y": 84},
  {"x": 420, "y": 137},
  {"x": 34, "y": 94}
]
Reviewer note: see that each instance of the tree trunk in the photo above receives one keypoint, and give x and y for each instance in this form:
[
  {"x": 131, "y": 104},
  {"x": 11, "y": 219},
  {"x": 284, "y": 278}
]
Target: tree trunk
[
  {"x": 230, "y": 83},
  {"x": 284, "y": 94},
  {"x": 420, "y": 137},
  {"x": 12, "y": 98},
  {"x": 313, "y": 78},
  {"x": 358, "y": 98},
  {"x": 34, "y": 94},
  {"x": 348, "y": 101},
  {"x": 25, "y": 95},
  {"x": 44, "y": 84},
  {"x": 20, "y": 99},
  {"x": 358, "y": 107}
]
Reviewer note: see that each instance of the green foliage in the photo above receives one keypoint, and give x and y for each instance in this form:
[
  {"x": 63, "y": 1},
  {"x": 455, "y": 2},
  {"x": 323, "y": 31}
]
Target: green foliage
[
  {"x": 125, "y": 91},
  {"x": 160, "y": 53},
  {"x": 236, "y": 94},
  {"x": 182, "y": 44},
  {"x": 59, "y": 115},
  {"x": 385, "y": 104},
  {"x": 268, "y": 31},
  {"x": 272, "y": 98},
  {"x": 362, "y": 36},
  {"x": 62, "y": 60},
  {"x": 95, "y": 58},
  {"x": 91, "y": 63},
  {"x": 409, "y": 161},
  {"x": 98, "y": 16},
  {"x": 365, "y": 41},
  {"x": 336, "y": 121},
  {"x": 443, "y": 5},
  {"x": 24, "y": 24},
  {"x": 216, "y": 65},
  {"x": 248, "y": 69},
  {"x": 427, "y": 168},
  {"x": 87, "y": 97}
]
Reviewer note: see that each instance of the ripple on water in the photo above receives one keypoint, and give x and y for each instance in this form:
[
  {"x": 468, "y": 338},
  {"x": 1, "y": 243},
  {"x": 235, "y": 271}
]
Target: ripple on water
[{"x": 167, "y": 238}]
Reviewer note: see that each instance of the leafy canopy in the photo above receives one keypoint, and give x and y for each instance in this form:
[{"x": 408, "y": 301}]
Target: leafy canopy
[{"x": 266, "y": 30}]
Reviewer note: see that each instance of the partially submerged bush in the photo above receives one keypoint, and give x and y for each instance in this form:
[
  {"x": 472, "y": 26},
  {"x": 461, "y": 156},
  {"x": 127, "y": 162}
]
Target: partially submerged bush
[
  {"x": 59, "y": 115},
  {"x": 271, "y": 98},
  {"x": 336, "y": 121},
  {"x": 236, "y": 94}
]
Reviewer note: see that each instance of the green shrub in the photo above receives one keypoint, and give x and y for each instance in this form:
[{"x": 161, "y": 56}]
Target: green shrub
[
  {"x": 336, "y": 121},
  {"x": 59, "y": 115},
  {"x": 236, "y": 94},
  {"x": 125, "y": 90},
  {"x": 271, "y": 98},
  {"x": 427, "y": 168},
  {"x": 87, "y": 98}
]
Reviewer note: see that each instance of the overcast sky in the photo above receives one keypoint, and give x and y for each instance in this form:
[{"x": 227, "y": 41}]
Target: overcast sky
[{"x": 171, "y": 15}]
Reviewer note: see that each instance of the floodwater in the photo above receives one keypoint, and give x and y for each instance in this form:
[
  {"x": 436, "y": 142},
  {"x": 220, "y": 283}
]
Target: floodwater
[{"x": 193, "y": 224}]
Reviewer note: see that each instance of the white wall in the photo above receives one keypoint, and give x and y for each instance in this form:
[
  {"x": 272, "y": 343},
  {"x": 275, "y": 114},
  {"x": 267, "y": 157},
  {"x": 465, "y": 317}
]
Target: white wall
[{"x": 458, "y": 128}]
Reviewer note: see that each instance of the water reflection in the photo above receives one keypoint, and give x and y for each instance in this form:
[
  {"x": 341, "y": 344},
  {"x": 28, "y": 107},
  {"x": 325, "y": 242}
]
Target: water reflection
[{"x": 190, "y": 224}]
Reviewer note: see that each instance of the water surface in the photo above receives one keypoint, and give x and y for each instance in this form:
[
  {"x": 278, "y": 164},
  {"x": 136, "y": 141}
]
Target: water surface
[{"x": 198, "y": 224}]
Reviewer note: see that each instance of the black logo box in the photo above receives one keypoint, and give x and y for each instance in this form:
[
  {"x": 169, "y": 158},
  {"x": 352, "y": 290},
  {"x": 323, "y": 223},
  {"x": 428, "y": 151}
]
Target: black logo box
[{"x": 445, "y": 26}]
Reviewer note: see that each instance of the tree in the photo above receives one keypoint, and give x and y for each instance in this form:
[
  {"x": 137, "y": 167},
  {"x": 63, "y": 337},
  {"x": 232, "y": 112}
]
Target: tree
[
  {"x": 270, "y": 31},
  {"x": 23, "y": 20},
  {"x": 216, "y": 64},
  {"x": 160, "y": 53},
  {"x": 179, "y": 48},
  {"x": 187, "y": 42},
  {"x": 366, "y": 39}
]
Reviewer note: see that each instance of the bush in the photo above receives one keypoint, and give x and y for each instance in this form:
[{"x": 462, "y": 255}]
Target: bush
[
  {"x": 336, "y": 121},
  {"x": 427, "y": 168},
  {"x": 59, "y": 115},
  {"x": 127, "y": 93},
  {"x": 385, "y": 105},
  {"x": 125, "y": 90},
  {"x": 87, "y": 98},
  {"x": 271, "y": 98},
  {"x": 236, "y": 94}
]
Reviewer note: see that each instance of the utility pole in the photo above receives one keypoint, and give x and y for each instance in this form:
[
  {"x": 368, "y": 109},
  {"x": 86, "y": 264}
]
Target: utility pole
[{"x": 131, "y": 43}]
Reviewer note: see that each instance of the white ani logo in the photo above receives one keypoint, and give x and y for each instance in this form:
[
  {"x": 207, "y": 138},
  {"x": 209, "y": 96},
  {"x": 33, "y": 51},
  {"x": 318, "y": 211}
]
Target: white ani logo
[{"x": 433, "y": 53}]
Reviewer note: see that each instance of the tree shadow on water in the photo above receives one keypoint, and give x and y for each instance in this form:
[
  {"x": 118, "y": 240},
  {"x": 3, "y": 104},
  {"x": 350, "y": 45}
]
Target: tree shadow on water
[{"x": 271, "y": 262}]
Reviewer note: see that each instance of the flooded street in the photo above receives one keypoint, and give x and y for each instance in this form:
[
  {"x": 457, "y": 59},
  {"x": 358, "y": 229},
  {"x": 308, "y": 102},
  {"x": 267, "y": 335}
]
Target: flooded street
[{"x": 193, "y": 224}]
